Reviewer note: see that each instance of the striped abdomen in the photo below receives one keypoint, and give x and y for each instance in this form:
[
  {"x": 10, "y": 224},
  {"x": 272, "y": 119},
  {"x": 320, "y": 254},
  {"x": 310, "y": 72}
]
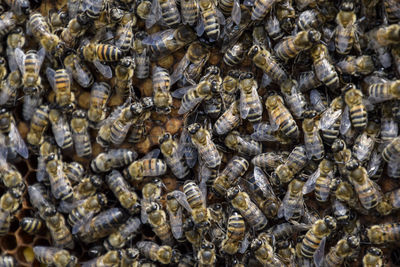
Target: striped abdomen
[
  {"x": 287, "y": 49},
  {"x": 275, "y": 70},
  {"x": 154, "y": 167},
  {"x": 161, "y": 79},
  {"x": 314, "y": 146},
  {"x": 326, "y": 73},
  {"x": 211, "y": 24},
  {"x": 142, "y": 65},
  {"x": 106, "y": 52},
  {"x": 193, "y": 194},
  {"x": 234, "y": 55},
  {"x": 83, "y": 147},
  {"x": 261, "y": 8},
  {"x": 254, "y": 216},
  {"x": 4, "y": 223},
  {"x": 392, "y": 232},
  {"x": 92, "y": 8},
  {"x": 297, "y": 159},
  {"x": 119, "y": 130},
  {"x": 284, "y": 120},
  {"x": 329, "y": 135},
  {"x": 209, "y": 154},
  {"x": 358, "y": 117},
  {"x": 344, "y": 39},
  {"x": 368, "y": 195},
  {"x": 310, "y": 244},
  {"x": 392, "y": 151},
  {"x": 236, "y": 227},
  {"x": 170, "y": 13},
  {"x": 380, "y": 92},
  {"x": 322, "y": 188}
]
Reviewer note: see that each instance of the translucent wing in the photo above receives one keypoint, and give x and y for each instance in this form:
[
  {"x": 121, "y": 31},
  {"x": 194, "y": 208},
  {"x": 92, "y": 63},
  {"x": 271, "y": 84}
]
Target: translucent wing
[
  {"x": 319, "y": 253},
  {"x": 221, "y": 17},
  {"x": 245, "y": 243},
  {"x": 20, "y": 59},
  {"x": 154, "y": 15},
  {"x": 50, "y": 73},
  {"x": 3, "y": 146},
  {"x": 180, "y": 92},
  {"x": 40, "y": 54},
  {"x": 187, "y": 149},
  {"x": 309, "y": 186},
  {"x": 178, "y": 72},
  {"x": 59, "y": 130},
  {"x": 112, "y": 117},
  {"x": 345, "y": 123},
  {"x": 143, "y": 214},
  {"x": 12, "y": 63},
  {"x": 265, "y": 80},
  {"x": 189, "y": 105},
  {"x": 244, "y": 107},
  {"x": 374, "y": 163},
  {"x": 328, "y": 118},
  {"x": 363, "y": 147},
  {"x": 181, "y": 198},
  {"x": 41, "y": 173},
  {"x": 290, "y": 206},
  {"x": 236, "y": 12},
  {"x": 82, "y": 76},
  {"x": 67, "y": 207},
  {"x": 105, "y": 70},
  {"x": 262, "y": 182},
  {"x": 200, "y": 26},
  {"x": 317, "y": 101},
  {"x": 263, "y": 132},
  {"x": 153, "y": 154},
  {"x": 17, "y": 142},
  {"x": 339, "y": 207},
  {"x": 84, "y": 221},
  {"x": 120, "y": 41},
  {"x": 176, "y": 223}
]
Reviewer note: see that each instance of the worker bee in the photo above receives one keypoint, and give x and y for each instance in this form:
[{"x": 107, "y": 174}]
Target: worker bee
[
  {"x": 57, "y": 20},
  {"x": 87, "y": 187},
  {"x": 11, "y": 135},
  {"x": 320, "y": 180},
  {"x": 242, "y": 144},
  {"x": 251, "y": 213},
  {"x": 294, "y": 98},
  {"x": 161, "y": 85},
  {"x": 168, "y": 41},
  {"x": 235, "y": 168},
  {"x": 343, "y": 249},
  {"x": 61, "y": 83},
  {"x": 145, "y": 167},
  {"x": 3, "y": 68},
  {"x": 293, "y": 45},
  {"x": 31, "y": 225},
  {"x": 141, "y": 56},
  {"x": 206, "y": 254},
  {"x": 201, "y": 139},
  {"x": 230, "y": 87},
  {"x": 383, "y": 233},
  {"x": 312, "y": 139},
  {"x": 250, "y": 104},
  {"x": 189, "y": 12},
  {"x": 163, "y": 254},
  {"x": 77, "y": 26},
  {"x": 9, "y": 89},
  {"x": 61, "y": 130},
  {"x": 59, "y": 231},
  {"x": 391, "y": 152},
  {"x": 235, "y": 54},
  {"x": 125, "y": 233},
  {"x": 293, "y": 203},
  {"x": 165, "y": 11},
  {"x": 268, "y": 160},
  {"x": 5, "y": 222},
  {"x": 124, "y": 34},
  {"x": 281, "y": 117},
  {"x": 174, "y": 210},
  {"x": 211, "y": 18},
  {"x": 263, "y": 59},
  {"x": 74, "y": 171},
  {"x": 110, "y": 258},
  {"x": 39, "y": 124},
  {"x": 40, "y": 201},
  {"x": 263, "y": 249},
  {"x": 8, "y": 22},
  {"x": 80, "y": 135},
  {"x": 324, "y": 70},
  {"x": 346, "y": 33},
  {"x": 330, "y": 120},
  {"x": 29, "y": 64},
  {"x": 362, "y": 65},
  {"x": 307, "y": 81},
  {"x": 101, "y": 225},
  {"x": 170, "y": 150},
  {"x": 380, "y": 92},
  {"x": 294, "y": 163},
  {"x": 229, "y": 120},
  {"x": 57, "y": 256},
  {"x": 353, "y": 98},
  {"x": 365, "y": 142},
  {"x": 114, "y": 158},
  {"x": 151, "y": 192},
  {"x": 318, "y": 101},
  {"x": 60, "y": 185},
  {"x": 157, "y": 218},
  {"x": 78, "y": 69},
  {"x": 98, "y": 99},
  {"x": 261, "y": 8},
  {"x": 122, "y": 191},
  {"x": 41, "y": 31},
  {"x": 8, "y": 260},
  {"x": 124, "y": 73},
  {"x": 373, "y": 257}
]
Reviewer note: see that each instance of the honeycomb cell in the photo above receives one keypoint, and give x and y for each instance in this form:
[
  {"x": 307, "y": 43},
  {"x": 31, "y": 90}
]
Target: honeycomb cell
[
  {"x": 41, "y": 242},
  {"x": 22, "y": 167},
  {"x": 24, "y": 237},
  {"x": 25, "y": 254},
  {"x": 31, "y": 178},
  {"x": 14, "y": 225},
  {"x": 8, "y": 242}
]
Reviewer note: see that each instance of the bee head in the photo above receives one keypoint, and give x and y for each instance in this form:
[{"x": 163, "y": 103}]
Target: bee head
[
  {"x": 375, "y": 251},
  {"x": 136, "y": 108},
  {"x": 32, "y": 90},
  {"x": 102, "y": 199},
  {"x": 165, "y": 137},
  {"x": 83, "y": 19},
  {"x": 246, "y": 75},
  {"x": 147, "y": 102},
  {"x": 234, "y": 73},
  {"x": 330, "y": 222},
  {"x": 194, "y": 128},
  {"x": 347, "y": 6},
  {"x": 50, "y": 157},
  {"x": 96, "y": 181},
  {"x": 338, "y": 145},
  {"x": 256, "y": 244},
  {"x": 348, "y": 87},
  {"x": 352, "y": 165},
  {"x": 132, "y": 253},
  {"x": 79, "y": 114},
  {"x": 50, "y": 212},
  {"x": 232, "y": 192},
  {"x": 254, "y": 50},
  {"x": 2, "y": 61},
  {"x": 353, "y": 241},
  {"x": 314, "y": 36},
  {"x": 309, "y": 114},
  {"x": 73, "y": 261}
]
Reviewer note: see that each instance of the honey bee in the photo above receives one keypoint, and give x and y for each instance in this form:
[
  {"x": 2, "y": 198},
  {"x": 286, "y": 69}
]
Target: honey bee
[
  {"x": 39, "y": 124},
  {"x": 391, "y": 152},
  {"x": 165, "y": 11},
  {"x": 211, "y": 18},
  {"x": 362, "y": 65},
  {"x": 330, "y": 122},
  {"x": 307, "y": 81},
  {"x": 189, "y": 11},
  {"x": 293, "y": 45},
  {"x": 392, "y": 197},
  {"x": 57, "y": 256},
  {"x": 268, "y": 160},
  {"x": 125, "y": 233},
  {"x": 114, "y": 158},
  {"x": 9, "y": 175},
  {"x": 74, "y": 171},
  {"x": 29, "y": 64},
  {"x": 8, "y": 22},
  {"x": 383, "y": 233},
  {"x": 321, "y": 180},
  {"x": 264, "y": 251},
  {"x": 251, "y": 213},
  {"x": 61, "y": 130},
  {"x": 40, "y": 200},
  {"x": 229, "y": 120},
  {"x": 174, "y": 210},
  {"x": 57, "y": 20},
  {"x": 11, "y": 135},
  {"x": 163, "y": 254},
  {"x": 157, "y": 218},
  {"x": 110, "y": 258},
  {"x": 9, "y": 89},
  {"x": 380, "y": 92},
  {"x": 235, "y": 168},
  {"x": 60, "y": 185},
  {"x": 124, "y": 34},
  {"x": 315, "y": 238},
  {"x": 385, "y": 35},
  {"x": 242, "y": 144},
  {"x": 151, "y": 192},
  {"x": 101, "y": 225},
  {"x": 324, "y": 70},
  {"x": 312, "y": 139},
  {"x": 78, "y": 69},
  {"x": 98, "y": 99},
  {"x": 59, "y": 231},
  {"x": 346, "y": 32},
  {"x": 161, "y": 85},
  {"x": 281, "y": 117},
  {"x": 365, "y": 142},
  {"x": 8, "y": 260},
  {"x": 76, "y": 27},
  {"x": 296, "y": 161},
  {"x": 201, "y": 139},
  {"x": 141, "y": 55},
  {"x": 124, "y": 73},
  {"x": 87, "y": 187},
  {"x": 92, "y": 8},
  {"x": 263, "y": 59},
  {"x": 169, "y": 149},
  {"x": 293, "y": 203},
  {"x": 3, "y": 68},
  {"x": 122, "y": 191},
  {"x": 80, "y": 135},
  {"x": 318, "y": 100},
  {"x": 353, "y": 98},
  {"x": 41, "y": 31},
  {"x": 250, "y": 104},
  {"x": 61, "y": 84},
  {"x": 235, "y": 54},
  {"x": 206, "y": 254},
  {"x": 343, "y": 249},
  {"x": 373, "y": 257},
  {"x": 261, "y": 8},
  {"x": 145, "y": 167},
  {"x": 31, "y": 225},
  {"x": 164, "y": 43},
  {"x": 367, "y": 191}
]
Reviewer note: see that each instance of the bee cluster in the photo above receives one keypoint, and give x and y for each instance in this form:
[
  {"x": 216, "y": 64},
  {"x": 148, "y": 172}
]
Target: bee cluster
[{"x": 199, "y": 133}]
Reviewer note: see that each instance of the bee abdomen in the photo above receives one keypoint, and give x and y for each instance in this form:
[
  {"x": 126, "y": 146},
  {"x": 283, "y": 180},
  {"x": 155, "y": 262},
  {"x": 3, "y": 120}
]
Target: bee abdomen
[{"x": 107, "y": 52}]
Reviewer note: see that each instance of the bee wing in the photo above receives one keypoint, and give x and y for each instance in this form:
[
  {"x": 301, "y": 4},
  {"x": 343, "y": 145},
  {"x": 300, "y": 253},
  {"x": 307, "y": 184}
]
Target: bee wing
[
  {"x": 263, "y": 132},
  {"x": 221, "y": 17},
  {"x": 40, "y": 54},
  {"x": 309, "y": 186},
  {"x": 244, "y": 108},
  {"x": 180, "y": 92},
  {"x": 178, "y": 72},
  {"x": 155, "y": 14},
  {"x": 18, "y": 142},
  {"x": 374, "y": 163},
  {"x": 193, "y": 103},
  {"x": 236, "y": 12},
  {"x": 3, "y": 146},
  {"x": 339, "y": 207},
  {"x": 262, "y": 181},
  {"x": 176, "y": 223},
  {"x": 187, "y": 149},
  {"x": 82, "y": 76},
  {"x": 200, "y": 26},
  {"x": 345, "y": 122},
  {"x": 309, "y": 145},
  {"x": 328, "y": 118},
  {"x": 67, "y": 207},
  {"x": 181, "y": 198},
  {"x": 316, "y": 100},
  {"x": 367, "y": 143},
  {"x": 82, "y": 223},
  {"x": 120, "y": 41},
  {"x": 105, "y": 70},
  {"x": 265, "y": 80},
  {"x": 319, "y": 253},
  {"x": 41, "y": 173},
  {"x": 20, "y": 59},
  {"x": 50, "y": 73},
  {"x": 144, "y": 203},
  {"x": 153, "y": 154},
  {"x": 59, "y": 130},
  {"x": 245, "y": 243},
  {"x": 12, "y": 63}
]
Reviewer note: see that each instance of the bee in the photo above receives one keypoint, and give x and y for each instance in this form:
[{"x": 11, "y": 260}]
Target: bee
[
  {"x": 76, "y": 27},
  {"x": 353, "y": 98},
  {"x": 87, "y": 187},
  {"x": 39, "y": 124},
  {"x": 362, "y": 65},
  {"x": 250, "y": 104},
  {"x": 74, "y": 171},
  {"x": 61, "y": 130},
  {"x": 268, "y": 160},
  {"x": 312, "y": 139},
  {"x": 251, "y": 213},
  {"x": 57, "y": 256},
  {"x": 60, "y": 185},
  {"x": 40, "y": 200},
  {"x": 5, "y": 222},
  {"x": 174, "y": 210},
  {"x": 141, "y": 55},
  {"x": 114, "y": 158},
  {"x": 281, "y": 117},
  {"x": 98, "y": 99},
  {"x": 41, "y": 31},
  {"x": 392, "y": 197},
  {"x": 122, "y": 191},
  {"x": 78, "y": 69},
  {"x": 8, "y": 261},
  {"x": 262, "y": 193},
  {"x": 3, "y": 68},
  {"x": 319, "y": 101},
  {"x": 157, "y": 218},
  {"x": 343, "y": 249},
  {"x": 166, "y": 11},
  {"x": 365, "y": 142},
  {"x": 307, "y": 81},
  {"x": 8, "y": 22},
  {"x": 61, "y": 82},
  {"x": 124, "y": 72},
  {"x": 324, "y": 70},
  {"x": 385, "y": 35},
  {"x": 231, "y": 8},
  {"x": 261, "y": 8},
  {"x": 59, "y": 231},
  {"x": 170, "y": 150},
  {"x": 31, "y": 225},
  {"x": 125, "y": 233},
  {"x": 29, "y": 64},
  {"x": 316, "y": 236},
  {"x": 330, "y": 122},
  {"x": 47, "y": 148},
  {"x": 110, "y": 258},
  {"x": 235, "y": 168},
  {"x": 293, "y": 45},
  {"x": 189, "y": 11},
  {"x": 294, "y": 98},
  {"x": 244, "y": 145},
  {"x": 367, "y": 191},
  {"x": 124, "y": 34},
  {"x": 309, "y": 19},
  {"x": 206, "y": 254},
  {"x": 163, "y": 254},
  {"x": 264, "y": 251},
  {"x": 201, "y": 139},
  {"x": 373, "y": 257},
  {"x": 384, "y": 233},
  {"x": 380, "y": 92},
  {"x": 57, "y": 20},
  {"x": 80, "y": 135},
  {"x": 345, "y": 32},
  {"x": 164, "y": 43},
  {"x": 161, "y": 85},
  {"x": 293, "y": 203},
  {"x": 263, "y": 59},
  {"x": 321, "y": 180},
  {"x": 191, "y": 233},
  {"x": 235, "y": 54},
  {"x": 151, "y": 192},
  {"x": 229, "y": 120},
  {"x": 211, "y": 18},
  {"x": 294, "y": 163},
  {"x": 391, "y": 152},
  {"x": 101, "y": 225},
  {"x": 10, "y": 133},
  {"x": 391, "y": 9},
  {"x": 145, "y": 167},
  {"x": 9, "y": 89},
  {"x": 92, "y": 8}
]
